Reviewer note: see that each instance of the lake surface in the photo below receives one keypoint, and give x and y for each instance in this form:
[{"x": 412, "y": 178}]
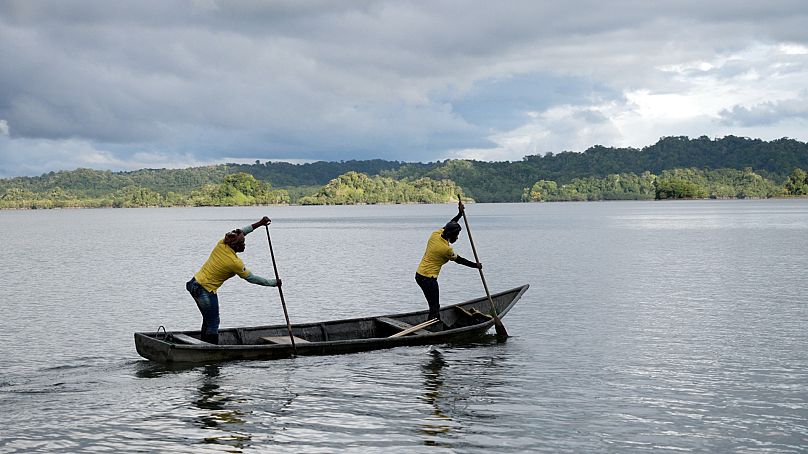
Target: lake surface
[{"x": 648, "y": 327}]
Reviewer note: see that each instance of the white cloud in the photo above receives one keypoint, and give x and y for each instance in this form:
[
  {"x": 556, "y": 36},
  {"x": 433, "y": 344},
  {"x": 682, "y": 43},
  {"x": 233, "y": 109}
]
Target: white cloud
[
  {"x": 755, "y": 91},
  {"x": 793, "y": 49}
]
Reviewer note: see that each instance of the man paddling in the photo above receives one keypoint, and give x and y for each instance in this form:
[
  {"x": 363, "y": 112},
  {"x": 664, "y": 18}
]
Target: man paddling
[
  {"x": 222, "y": 264},
  {"x": 438, "y": 252}
]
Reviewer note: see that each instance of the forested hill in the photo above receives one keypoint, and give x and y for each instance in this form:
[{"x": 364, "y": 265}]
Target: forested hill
[
  {"x": 504, "y": 181},
  {"x": 482, "y": 181},
  {"x": 96, "y": 183}
]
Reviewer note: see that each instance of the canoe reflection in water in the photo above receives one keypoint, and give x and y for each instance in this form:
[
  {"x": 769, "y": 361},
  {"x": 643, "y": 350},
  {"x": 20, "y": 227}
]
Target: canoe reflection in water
[
  {"x": 439, "y": 423},
  {"x": 219, "y": 414}
]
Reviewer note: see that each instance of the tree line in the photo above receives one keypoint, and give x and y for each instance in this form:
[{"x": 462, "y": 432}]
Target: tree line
[
  {"x": 243, "y": 189},
  {"x": 236, "y": 189},
  {"x": 505, "y": 181},
  {"x": 669, "y": 184},
  {"x": 674, "y": 167}
]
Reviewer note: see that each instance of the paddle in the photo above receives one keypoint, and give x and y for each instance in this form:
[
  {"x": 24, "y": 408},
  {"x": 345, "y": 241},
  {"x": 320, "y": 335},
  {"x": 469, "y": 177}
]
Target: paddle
[
  {"x": 280, "y": 291},
  {"x": 500, "y": 328}
]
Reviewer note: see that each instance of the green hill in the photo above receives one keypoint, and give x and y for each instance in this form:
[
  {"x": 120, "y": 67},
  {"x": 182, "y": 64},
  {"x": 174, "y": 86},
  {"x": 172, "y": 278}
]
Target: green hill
[{"x": 597, "y": 173}]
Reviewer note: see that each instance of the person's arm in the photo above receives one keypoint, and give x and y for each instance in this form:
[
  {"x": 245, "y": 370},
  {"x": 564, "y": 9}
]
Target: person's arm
[
  {"x": 460, "y": 209},
  {"x": 261, "y": 222},
  {"x": 253, "y": 279},
  {"x": 468, "y": 263}
]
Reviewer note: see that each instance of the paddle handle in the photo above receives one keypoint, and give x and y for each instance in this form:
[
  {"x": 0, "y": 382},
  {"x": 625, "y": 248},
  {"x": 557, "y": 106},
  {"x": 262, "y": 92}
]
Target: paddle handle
[
  {"x": 280, "y": 292},
  {"x": 477, "y": 260},
  {"x": 497, "y": 322}
]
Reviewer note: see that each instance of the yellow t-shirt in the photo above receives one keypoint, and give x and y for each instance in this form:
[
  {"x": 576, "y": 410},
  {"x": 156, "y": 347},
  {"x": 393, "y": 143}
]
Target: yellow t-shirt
[
  {"x": 222, "y": 264},
  {"x": 437, "y": 253}
]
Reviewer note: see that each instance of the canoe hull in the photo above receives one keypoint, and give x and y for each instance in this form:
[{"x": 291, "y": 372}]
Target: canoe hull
[{"x": 328, "y": 338}]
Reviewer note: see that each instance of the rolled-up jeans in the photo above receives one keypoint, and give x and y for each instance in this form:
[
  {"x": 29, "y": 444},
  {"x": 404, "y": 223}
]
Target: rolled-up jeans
[{"x": 208, "y": 304}]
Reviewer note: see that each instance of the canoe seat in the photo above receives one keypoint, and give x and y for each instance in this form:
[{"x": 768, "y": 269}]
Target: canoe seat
[
  {"x": 399, "y": 325},
  {"x": 469, "y": 317},
  {"x": 186, "y": 339},
  {"x": 473, "y": 313},
  {"x": 283, "y": 340}
]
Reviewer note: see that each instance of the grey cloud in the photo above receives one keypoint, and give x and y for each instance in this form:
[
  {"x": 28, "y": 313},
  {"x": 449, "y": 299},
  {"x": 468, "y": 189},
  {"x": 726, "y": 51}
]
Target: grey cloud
[
  {"x": 767, "y": 113},
  {"x": 502, "y": 103},
  {"x": 403, "y": 80}
]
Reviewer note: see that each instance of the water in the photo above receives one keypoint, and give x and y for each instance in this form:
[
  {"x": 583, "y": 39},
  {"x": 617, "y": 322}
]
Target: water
[{"x": 648, "y": 327}]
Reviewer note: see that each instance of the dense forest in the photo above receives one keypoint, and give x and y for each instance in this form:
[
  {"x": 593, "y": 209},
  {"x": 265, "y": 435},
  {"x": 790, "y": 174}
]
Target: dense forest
[
  {"x": 674, "y": 167},
  {"x": 358, "y": 188},
  {"x": 670, "y": 184},
  {"x": 505, "y": 181}
]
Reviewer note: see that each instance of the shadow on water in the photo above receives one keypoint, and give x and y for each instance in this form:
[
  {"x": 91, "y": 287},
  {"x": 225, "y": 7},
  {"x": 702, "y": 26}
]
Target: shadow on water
[{"x": 439, "y": 423}]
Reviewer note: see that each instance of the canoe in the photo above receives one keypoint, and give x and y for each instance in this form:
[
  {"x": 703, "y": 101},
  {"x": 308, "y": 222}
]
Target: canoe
[{"x": 461, "y": 322}]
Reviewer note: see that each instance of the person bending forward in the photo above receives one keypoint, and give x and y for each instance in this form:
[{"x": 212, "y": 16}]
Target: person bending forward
[{"x": 222, "y": 264}]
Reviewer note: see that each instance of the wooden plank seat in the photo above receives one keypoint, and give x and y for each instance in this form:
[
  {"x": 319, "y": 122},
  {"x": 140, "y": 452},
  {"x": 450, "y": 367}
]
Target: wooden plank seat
[
  {"x": 283, "y": 340},
  {"x": 186, "y": 339},
  {"x": 405, "y": 328},
  {"x": 473, "y": 313},
  {"x": 466, "y": 317}
]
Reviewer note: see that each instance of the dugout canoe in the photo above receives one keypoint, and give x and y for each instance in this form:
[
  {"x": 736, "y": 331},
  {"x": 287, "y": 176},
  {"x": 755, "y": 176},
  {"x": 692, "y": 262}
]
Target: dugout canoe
[{"x": 463, "y": 321}]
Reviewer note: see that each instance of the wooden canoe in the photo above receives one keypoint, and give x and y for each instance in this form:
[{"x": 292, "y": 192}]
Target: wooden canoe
[{"x": 463, "y": 321}]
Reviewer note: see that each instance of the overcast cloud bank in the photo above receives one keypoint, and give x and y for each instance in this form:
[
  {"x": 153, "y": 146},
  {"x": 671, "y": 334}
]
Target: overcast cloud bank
[{"x": 180, "y": 83}]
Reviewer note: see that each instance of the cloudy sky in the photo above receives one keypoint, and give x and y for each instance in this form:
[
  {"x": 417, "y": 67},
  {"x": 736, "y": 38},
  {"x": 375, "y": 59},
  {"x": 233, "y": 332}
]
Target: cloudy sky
[{"x": 177, "y": 83}]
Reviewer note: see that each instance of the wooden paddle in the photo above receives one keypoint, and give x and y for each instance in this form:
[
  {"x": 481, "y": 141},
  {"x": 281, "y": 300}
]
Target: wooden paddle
[
  {"x": 500, "y": 328},
  {"x": 280, "y": 291}
]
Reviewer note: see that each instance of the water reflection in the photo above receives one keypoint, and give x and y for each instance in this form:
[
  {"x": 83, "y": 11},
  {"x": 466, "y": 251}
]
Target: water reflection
[
  {"x": 148, "y": 369},
  {"x": 219, "y": 413},
  {"x": 439, "y": 423}
]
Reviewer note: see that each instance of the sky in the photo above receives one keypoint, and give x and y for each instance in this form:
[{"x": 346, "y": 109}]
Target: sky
[{"x": 181, "y": 83}]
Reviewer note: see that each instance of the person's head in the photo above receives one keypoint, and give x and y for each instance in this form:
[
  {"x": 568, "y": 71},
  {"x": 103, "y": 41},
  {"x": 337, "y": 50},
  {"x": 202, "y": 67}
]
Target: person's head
[
  {"x": 451, "y": 231},
  {"x": 235, "y": 240}
]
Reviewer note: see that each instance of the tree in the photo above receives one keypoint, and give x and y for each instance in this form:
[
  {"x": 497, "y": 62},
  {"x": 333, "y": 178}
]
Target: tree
[
  {"x": 797, "y": 183},
  {"x": 358, "y": 188},
  {"x": 133, "y": 196},
  {"x": 541, "y": 191},
  {"x": 676, "y": 188},
  {"x": 237, "y": 189}
]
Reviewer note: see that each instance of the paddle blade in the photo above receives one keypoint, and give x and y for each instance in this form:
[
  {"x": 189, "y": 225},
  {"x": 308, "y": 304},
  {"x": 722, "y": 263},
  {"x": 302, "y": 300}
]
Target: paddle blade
[{"x": 502, "y": 333}]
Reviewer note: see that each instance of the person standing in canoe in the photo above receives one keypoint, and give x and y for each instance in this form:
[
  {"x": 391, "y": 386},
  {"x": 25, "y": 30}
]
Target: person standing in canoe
[
  {"x": 438, "y": 252},
  {"x": 222, "y": 264}
]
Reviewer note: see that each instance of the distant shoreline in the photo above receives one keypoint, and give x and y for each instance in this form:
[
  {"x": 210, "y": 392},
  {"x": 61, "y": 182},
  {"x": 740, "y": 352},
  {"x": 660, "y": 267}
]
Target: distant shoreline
[{"x": 801, "y": 197}]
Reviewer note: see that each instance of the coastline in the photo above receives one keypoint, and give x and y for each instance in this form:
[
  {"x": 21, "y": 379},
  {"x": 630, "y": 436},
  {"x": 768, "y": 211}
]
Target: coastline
[{"x": 34, "y": 208}]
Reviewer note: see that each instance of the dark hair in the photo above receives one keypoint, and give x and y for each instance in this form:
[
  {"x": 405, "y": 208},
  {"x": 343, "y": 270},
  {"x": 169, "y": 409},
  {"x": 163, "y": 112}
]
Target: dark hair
[
  {"x": 234, "y": 237},
  {"x": 451, "y": 227}
]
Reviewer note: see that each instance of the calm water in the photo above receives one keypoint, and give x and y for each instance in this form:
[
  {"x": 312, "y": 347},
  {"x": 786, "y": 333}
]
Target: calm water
[{"x": 648, "y": 327}]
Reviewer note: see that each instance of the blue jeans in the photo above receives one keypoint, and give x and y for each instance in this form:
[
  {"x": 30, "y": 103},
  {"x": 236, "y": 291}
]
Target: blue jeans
[{"x": 208, "y": 304}]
